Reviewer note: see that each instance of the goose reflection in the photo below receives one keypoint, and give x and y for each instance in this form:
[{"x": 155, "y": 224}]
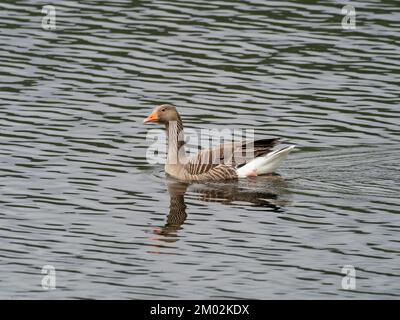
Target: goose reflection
[{"x": 269, "y": 192}]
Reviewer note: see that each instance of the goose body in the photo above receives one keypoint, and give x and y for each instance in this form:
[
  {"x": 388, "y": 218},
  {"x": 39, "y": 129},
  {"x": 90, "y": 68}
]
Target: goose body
[{"x": 223, "y": 162}]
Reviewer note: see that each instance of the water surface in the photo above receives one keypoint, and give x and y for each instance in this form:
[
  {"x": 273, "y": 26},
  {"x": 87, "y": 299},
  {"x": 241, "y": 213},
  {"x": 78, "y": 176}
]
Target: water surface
[{"x": 77, "y": 191}]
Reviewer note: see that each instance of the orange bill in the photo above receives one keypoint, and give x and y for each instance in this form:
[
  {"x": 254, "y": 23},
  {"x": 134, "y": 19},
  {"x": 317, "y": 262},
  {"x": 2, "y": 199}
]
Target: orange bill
[{"x": 152, "y": 117}]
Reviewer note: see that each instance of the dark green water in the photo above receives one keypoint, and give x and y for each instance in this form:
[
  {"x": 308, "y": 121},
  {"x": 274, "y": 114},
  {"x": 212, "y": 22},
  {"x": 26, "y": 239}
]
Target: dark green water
[{"x": 78, "y": 193}]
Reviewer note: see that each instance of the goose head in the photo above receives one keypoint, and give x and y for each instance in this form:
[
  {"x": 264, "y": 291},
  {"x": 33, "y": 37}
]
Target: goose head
[{"x": 163, "y": 114}]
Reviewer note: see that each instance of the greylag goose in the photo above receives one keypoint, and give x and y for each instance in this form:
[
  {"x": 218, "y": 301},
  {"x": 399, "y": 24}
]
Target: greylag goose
[{"x": 223, "y": 162}]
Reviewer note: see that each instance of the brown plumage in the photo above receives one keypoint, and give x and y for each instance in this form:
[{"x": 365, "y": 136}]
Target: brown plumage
[{"x": 215, "y": 164}]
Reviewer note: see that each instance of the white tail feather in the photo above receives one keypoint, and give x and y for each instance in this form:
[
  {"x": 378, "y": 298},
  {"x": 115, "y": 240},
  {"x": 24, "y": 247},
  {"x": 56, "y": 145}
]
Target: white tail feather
[{"x": 264, "y": 164}]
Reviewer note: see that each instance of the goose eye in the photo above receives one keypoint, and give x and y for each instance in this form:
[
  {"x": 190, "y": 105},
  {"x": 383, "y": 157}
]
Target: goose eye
[{"x": 162, "y": 110}]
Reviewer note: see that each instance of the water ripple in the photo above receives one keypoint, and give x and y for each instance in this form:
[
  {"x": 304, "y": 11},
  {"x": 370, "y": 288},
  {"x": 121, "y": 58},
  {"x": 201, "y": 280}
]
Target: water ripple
[{"x": 78, "y": 193}]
